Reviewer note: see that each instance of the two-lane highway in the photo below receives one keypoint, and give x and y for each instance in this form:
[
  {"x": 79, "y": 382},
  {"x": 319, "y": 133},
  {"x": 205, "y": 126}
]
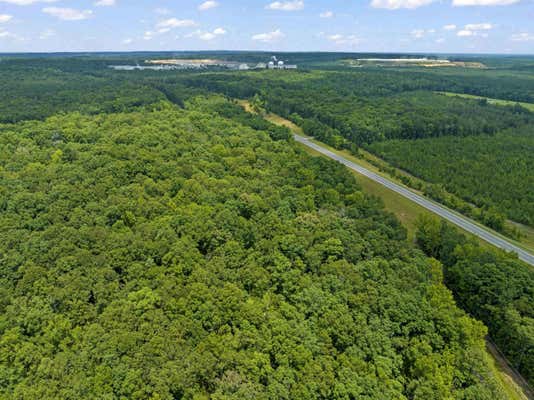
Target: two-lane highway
[{"x": 440, "y": 210}]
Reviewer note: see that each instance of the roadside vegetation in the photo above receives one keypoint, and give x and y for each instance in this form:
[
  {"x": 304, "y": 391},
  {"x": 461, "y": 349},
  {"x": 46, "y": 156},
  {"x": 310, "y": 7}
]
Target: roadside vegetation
[
  {"x": 492, "y": 286},
  {"x": 376, "y": 109},
  {"x": 492, "y": 172}
]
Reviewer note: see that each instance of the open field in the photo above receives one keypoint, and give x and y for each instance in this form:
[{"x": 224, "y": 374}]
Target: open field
[
  {"x": 412, "y": 62},
  {"x": 498, "y": 102}
]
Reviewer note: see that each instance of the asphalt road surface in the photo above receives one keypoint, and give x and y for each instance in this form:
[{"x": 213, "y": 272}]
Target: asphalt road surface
[{"x": 440, "y": 210}]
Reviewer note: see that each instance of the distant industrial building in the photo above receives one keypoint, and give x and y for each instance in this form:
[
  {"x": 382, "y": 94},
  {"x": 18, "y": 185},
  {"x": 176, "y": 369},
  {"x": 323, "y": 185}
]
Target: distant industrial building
[
  {"x": 279, "y": 64},
  {"x": 180, "y": 64}
]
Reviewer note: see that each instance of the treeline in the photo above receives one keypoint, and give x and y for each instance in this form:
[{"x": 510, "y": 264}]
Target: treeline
[
  {"x": 492, "y": 172},
  {"x": 173, "y": 253},
  {"x": 492, "y": 286},
  {"x": 413, "y": 115},
  {"x": 29, "y": 94},
  {"x": 342, "y": 108},
  {"x": 360, "y": 106}
]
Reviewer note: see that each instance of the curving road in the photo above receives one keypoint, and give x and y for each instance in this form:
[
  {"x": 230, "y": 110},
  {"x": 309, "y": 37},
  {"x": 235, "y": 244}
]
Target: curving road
[{"x": 440, "y": 210}]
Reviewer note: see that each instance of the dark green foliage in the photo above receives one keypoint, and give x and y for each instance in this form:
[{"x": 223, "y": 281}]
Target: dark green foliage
[
  {"x": 492, "y": 172},
  {"x": 37, "y": 95},
  {"x": 364, "y": 107},
  {"x": 407, "y": 116},
  {"x": 171, "y": 253},
  {"x": 492, "y": 286}
]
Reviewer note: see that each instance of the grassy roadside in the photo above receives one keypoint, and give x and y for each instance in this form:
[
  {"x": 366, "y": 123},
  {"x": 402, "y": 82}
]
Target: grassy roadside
[
  {"x": 498, "y": 102},
  {"x": 371, "y": 161},
  {"x": 513, "y": 384},
  {"x": 405, "y": 210}
]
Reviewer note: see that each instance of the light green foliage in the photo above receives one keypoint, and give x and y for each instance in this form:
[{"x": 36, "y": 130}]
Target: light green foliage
[{"x": 171, "y": 253}]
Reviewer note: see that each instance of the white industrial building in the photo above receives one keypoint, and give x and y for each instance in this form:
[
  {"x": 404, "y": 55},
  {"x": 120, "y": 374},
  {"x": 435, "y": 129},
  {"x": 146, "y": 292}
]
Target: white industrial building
[{"x": 279, "y": 64}]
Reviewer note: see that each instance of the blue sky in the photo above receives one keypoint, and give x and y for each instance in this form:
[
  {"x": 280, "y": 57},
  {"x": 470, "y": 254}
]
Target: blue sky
[{"x": 472, "y": 26}]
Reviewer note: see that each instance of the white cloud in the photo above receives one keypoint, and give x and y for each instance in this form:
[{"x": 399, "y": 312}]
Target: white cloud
[
  {"x": 127, "y": 41},
  {"x": 68, "y": 14},
  {"x": 8, "y": 35},
  {"x": 344, "y": 39},
  {"x": 104, "y": 3},
  {"x": 202, "y": 35},
  {"x": 326, "y": 14},
  {"x": 396, "y": 4},
  {"x": 522, "y": 37},
  {"x": 5, "y": 18},
  {"x": 418, "y": 33},
  {"x": 295, "y": 5},
  {"x": 335, "y": 37},
  {"x": 461, "y": 3},
  {"x": 440, "y": 40},
  {"x": 207, "y": 36},
  {"x": 465, "y": 32},
  {"x": 478, "y": 27},
  {"x": 176, "y": 23},
  {"x": 450, "y": 27},
  {"x": 207, "y": 5},
  {"x": 162, "y": 11},
  {"x": 27, "y": 2},
  {"x": 269, "y": 36},
  {"x": 474, "y": 30},
  {"x": 46, "y": 34},
  {"x": 167, "y": 25}
]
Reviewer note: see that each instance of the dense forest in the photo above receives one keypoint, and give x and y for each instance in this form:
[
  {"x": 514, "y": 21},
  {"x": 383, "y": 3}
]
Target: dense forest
[
  {"x": 159, "y": 242},
  {"x": 39, "y": 95},
  {"x": 169, "y": 253}
]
